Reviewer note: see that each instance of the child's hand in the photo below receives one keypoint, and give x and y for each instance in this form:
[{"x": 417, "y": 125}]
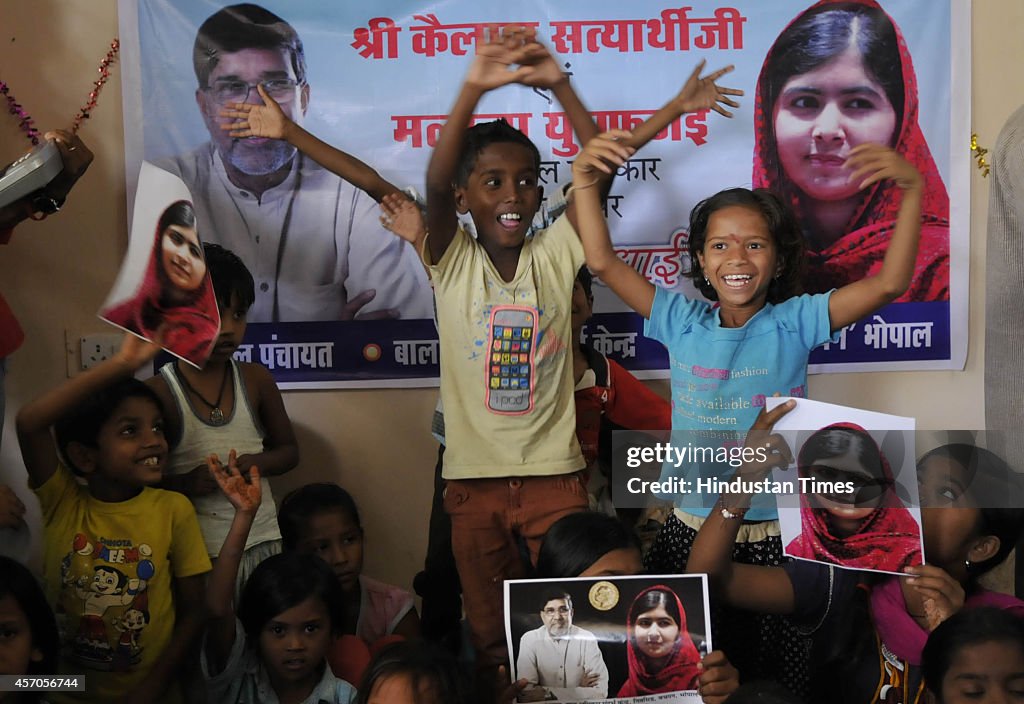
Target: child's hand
[
  {"x": 602, "y": 155},
  {"x": 871, "y": 163},
  {"x": 12, "y": 510},
  {"x": 135, "y": 351},
  {"x": 718, "y": 678},
  {"x": 941, "y": 595},
  {"x": 492, "y": 67},
  {"x": 243, "y": 492},
  {"x": 544, "y": 70},
  {"x": 772, "y": 446},
  {"x": 510, "y": 693},
  {"x": 267, "y": 120},
  {"x": 705, "y": 94},
  {"x": 402, "y": 216},
  {"x": 197, "y": 482}
]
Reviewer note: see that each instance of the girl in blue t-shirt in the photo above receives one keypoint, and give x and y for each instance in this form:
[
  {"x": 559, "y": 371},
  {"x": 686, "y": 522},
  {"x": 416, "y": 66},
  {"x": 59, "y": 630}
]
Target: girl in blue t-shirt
[{"x": 749, "y": 340}]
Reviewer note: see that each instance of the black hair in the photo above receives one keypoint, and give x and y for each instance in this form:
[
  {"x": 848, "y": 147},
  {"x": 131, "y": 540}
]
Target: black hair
[
  {"x": 829, "y": 442},
  {"x": 575, "y": 542},
  {"x": 309, "y": 500},
  {"x": 180, "y": 213},
  {"x": 791, "y": 249},
  {"x": 652, "y": 600},
  {"x": 423, "y": 664},
  {"x": 822, "y": 34},
  {"x": 284, "y": 581},
  {"x": 230, "y": 276},
  {"x": 244, "y": 26},
  {"x": 967, "y": 627},
  {"x": 554, "y": 594},
  {"x": 996, "y": 490},
  {"x": 484, "y": 134},
  {"x": 586, "y": 280},
  {"x": 82, "y": 424},
  {"x": 17, "y": 582}
]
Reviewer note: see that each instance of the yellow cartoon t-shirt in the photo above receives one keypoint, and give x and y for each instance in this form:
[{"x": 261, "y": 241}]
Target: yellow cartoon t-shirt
[{"x": 108, "y": 571}]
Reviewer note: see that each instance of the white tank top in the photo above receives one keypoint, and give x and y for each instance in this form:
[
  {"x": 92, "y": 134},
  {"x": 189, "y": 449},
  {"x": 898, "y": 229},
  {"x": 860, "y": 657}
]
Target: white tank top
[{"x": 241, "y": 432}]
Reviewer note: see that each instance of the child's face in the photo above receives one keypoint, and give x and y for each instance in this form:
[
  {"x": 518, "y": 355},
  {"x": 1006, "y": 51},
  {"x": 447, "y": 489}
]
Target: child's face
[
  {"x": 821, "y": 115},
  {"x": 739, "y": 258},
  {"x": 985, "y": 673},
  {"x": 582, "y": 308},
  {"x": 502, "y": 194},
  {"x": 293, "y": 644},
  {"x": 336, "y": 539},
  {"x": 182, "y": 257},
  {"x": 16, "y": 651},
  {"x": 232, "y": 329},
  {"x": 950, "y": 520},
  {"x": 400, "y": 689},
  {"x": 131, "y": 447}
]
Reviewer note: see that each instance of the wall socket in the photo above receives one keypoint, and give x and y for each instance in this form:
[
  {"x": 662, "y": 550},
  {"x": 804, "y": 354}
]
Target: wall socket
[{"x": 97, "y": 348}]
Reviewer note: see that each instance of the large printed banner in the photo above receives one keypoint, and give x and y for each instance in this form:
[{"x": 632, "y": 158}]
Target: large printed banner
[{"x": 342, "y": 302}]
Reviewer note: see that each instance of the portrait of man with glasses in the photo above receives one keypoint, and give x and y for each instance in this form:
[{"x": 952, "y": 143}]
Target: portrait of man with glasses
[
  {"x": 559, "y": 660},
  {"x": 312, "y": 240}
]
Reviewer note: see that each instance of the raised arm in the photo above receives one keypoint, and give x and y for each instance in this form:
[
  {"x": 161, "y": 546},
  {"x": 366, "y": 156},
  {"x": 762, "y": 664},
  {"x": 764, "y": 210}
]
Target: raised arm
[
  {"x": 76, "y": 158},
  {"x": 268, "y": 120},
  {"x": 696, "y": 94},
  {"x": 35, "y": 418},
  {"x": 872, "y": 163},
  {"x": 491, "y": 68},
  {"x": 245, "y": 495},
  {"x": 280, "y": 448},
  {"x": 762, "y": 589},
  {"x": 599, "y": 159}
]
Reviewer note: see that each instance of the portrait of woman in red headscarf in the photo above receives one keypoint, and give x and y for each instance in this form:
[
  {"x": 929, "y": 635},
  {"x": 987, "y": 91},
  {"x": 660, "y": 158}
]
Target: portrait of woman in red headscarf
[
  {"x": 841, "y": 75},
  {"x": 175, "y": 303},
  {"x": 659, "y": 650},
  {"x": 866, "y": 527}
]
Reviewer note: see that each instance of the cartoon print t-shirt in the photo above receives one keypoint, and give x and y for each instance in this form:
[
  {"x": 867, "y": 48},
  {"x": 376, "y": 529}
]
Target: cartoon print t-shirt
[{"x": 108, "y": 571}]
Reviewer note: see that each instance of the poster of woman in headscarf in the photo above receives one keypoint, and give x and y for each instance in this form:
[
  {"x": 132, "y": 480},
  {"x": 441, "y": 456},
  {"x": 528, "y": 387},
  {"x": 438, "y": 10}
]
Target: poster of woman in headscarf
[
  {"x": 163, "y": 292},
  {"x": 855, "y": 501}
]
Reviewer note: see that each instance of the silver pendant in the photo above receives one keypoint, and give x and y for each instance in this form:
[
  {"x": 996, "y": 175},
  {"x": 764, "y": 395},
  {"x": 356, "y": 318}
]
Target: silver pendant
[{"x": 217, "y": 416}]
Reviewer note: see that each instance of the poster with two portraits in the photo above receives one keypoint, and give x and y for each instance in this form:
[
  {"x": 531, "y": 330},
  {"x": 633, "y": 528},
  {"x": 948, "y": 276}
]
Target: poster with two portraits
[{"x": 341, "y": 302}]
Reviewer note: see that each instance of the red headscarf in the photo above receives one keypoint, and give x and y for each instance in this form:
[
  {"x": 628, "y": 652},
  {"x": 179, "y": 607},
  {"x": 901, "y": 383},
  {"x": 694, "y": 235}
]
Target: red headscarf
[
  {"x": 889, "y": 539},
  {"x": 859, "y": 252},
  {"x": 680, "y": 672},
  {"x": 187, "y": 329}
]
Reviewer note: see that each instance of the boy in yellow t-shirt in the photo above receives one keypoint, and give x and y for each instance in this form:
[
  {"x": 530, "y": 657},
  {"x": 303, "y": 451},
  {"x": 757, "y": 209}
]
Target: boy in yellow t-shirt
[{"x": 123, "y": 563}]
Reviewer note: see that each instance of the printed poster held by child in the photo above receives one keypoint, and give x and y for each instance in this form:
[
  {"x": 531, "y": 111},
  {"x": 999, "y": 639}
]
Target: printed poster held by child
[
  {"x": 163, "y": 292},
  {"x": 855, "y": 500}
]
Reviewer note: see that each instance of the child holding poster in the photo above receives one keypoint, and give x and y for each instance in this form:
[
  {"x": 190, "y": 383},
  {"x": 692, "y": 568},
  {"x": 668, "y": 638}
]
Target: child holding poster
[
  {"x": 504, "y": 312},
  {"x": 750, "y": 339},
  {"x": 123, "y": 561},
  {"x": 869, "y": 629}
]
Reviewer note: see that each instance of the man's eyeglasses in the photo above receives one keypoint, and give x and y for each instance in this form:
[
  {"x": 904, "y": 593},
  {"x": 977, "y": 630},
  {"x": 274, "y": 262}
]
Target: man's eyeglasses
[
  {"x": 280, "y": 89},
  {"x": 551, "y": 611}
]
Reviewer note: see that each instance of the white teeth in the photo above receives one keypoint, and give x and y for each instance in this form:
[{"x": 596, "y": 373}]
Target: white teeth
[
  {"x": 737, "y": 277},
  {"x": 151, "y": 461},
  {"x": 510, "y": 216}
]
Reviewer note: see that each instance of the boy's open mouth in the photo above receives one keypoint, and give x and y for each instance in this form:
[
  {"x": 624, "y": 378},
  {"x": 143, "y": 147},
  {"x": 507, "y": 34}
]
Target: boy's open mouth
[{"x": 509, "y": 221}]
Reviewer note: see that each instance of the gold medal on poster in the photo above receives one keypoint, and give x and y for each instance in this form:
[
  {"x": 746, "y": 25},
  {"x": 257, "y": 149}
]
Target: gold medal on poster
[{"x": 604, "y": 596}]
